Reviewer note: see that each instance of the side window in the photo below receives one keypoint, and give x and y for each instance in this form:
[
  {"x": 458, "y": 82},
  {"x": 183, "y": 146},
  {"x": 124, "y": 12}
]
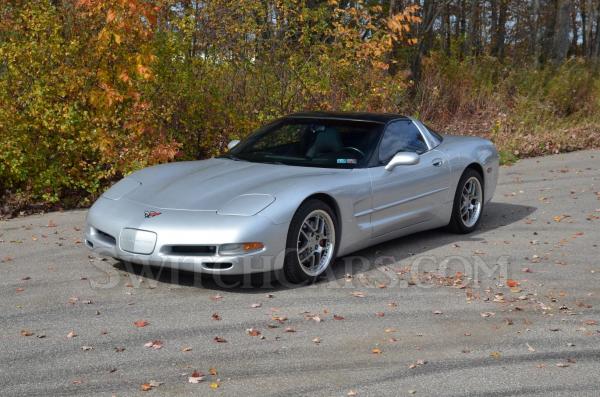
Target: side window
[{"x": 401, "y": 136}]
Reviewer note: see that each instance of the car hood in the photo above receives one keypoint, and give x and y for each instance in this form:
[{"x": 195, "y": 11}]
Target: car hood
[{"x": 208, "y": 185}]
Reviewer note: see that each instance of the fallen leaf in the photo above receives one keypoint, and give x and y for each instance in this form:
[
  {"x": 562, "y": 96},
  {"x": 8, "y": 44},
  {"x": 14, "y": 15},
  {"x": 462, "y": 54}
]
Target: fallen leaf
[
  {"x": 531, "y": 349},
  {"x": 562, "y": 365},
  {"x": 214, "y": 385},
  {"x": 487, "y": 314},
  {"x": 438, "y": 312},
  {"x": 186, "y": 349},
  {"x": 154, "y": 344},
  {"x": 196, "y": 377},
  {"x": 87, "y": 348},
  {"x": 256, "y": 305},
  {"x": 590, "y": 322},
  {"x": 216, "y": 297},
  {"x": 25, "y": 332},
  {"x": 380, "y": 314},
  {"x": 289, "y": 329},
  {"x": 213, "y": 371},
  {"x": 352, "y": 393},
  {"x": 376, "y": 350},
  {"x": 358, "y": 294},
  {"x": 119, "y": 349},
  {"x": 496, "y": 355},
  {"x": 253, "y": 332},
  {"x": 317, "y": 340},
  {"x": 71, "y": 334},
  {"x": 338, "y": 317},
  {"x": 512, "y": 283},
  {"x": 146, "y": 387},
  {"x": 559, "y": 218},
  {"x": 140, "y": 323},
  {"x": 19, "y": 289},
  {"x": 218, "y": 339},
  {"x": 216, "y": 316}
]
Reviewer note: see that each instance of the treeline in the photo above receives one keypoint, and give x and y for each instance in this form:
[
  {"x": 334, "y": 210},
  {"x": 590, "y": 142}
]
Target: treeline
[{"x": 93, "y": 89}]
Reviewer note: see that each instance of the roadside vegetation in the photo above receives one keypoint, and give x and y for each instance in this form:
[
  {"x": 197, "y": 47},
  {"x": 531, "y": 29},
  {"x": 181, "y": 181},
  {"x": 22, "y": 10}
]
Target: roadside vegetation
[{"x": 92, "y": 90}]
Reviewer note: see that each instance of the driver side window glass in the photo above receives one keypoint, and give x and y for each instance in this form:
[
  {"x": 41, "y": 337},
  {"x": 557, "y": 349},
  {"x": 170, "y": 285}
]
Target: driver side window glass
[{"x": 401, "y": 136}]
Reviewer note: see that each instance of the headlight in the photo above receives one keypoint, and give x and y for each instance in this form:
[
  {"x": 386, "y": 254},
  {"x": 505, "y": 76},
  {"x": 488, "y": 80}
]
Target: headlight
[
  {"x": 240, "y": 248},
  {"x": 121, "y": 188},
  {"x": 246, "y": 204}
]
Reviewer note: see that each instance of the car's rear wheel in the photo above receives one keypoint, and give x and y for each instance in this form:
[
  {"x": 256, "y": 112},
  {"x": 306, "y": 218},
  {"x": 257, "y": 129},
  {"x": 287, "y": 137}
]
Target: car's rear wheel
[
  {"x": 312, "y": 242},
  {"x": 468, "y": 202}
]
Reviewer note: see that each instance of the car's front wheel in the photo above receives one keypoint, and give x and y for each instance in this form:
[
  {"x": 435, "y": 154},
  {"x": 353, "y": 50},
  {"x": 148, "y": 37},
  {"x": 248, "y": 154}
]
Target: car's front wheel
[{"x": 312, "y": 242}]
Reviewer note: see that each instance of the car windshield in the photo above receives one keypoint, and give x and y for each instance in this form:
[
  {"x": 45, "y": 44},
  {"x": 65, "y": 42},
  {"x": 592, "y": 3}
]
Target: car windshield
[{"x": 311, "y": 143}]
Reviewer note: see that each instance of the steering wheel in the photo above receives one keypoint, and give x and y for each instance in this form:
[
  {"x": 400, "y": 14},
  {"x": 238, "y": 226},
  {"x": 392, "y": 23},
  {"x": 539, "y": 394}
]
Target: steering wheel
[{"x": 353, "y": 149}]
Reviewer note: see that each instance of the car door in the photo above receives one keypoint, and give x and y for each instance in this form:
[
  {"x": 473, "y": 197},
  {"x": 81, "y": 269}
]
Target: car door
[{"x": 407, "y": 194}]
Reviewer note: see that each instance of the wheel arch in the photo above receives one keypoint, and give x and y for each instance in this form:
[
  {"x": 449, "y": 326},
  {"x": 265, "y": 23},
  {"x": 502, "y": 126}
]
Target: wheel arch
[
  {"x": 477, "y": 167},
  {"x": 333, "y": 204}
]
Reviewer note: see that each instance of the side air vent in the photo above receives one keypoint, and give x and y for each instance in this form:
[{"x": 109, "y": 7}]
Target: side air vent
[
  {"x": 217, "y": 265},
  {"x": 190, "y": 250},
  {"x": 105, "y": 237}
]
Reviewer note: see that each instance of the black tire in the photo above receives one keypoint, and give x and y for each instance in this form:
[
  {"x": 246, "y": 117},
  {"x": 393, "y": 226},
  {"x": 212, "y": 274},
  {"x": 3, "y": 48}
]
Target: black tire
[
  {"x": 457, "y": 224},
  {"x": 293, "y": 271}
]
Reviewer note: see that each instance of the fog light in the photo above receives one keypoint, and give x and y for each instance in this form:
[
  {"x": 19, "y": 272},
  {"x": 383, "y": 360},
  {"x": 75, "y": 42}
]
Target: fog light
[{"x": 240, "y": 248}]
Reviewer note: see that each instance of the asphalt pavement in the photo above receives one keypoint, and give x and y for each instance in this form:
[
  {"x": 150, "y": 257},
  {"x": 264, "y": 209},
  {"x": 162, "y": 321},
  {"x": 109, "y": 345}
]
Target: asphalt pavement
[{"x": 512, "y": 309}]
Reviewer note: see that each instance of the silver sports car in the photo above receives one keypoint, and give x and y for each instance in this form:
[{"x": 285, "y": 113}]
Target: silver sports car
[{"x": 295, "y": 194}]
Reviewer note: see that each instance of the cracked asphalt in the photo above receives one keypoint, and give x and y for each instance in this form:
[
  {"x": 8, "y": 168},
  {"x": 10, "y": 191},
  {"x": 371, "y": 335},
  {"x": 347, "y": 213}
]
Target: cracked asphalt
[{"x": 512, "y": 309}]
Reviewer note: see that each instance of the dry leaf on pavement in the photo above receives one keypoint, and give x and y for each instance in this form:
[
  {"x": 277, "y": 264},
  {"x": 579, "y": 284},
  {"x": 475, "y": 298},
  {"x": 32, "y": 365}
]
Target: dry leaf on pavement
[
  {"x": 154, "y": 344},
  {"x": 196, "y": 377},
  {"x": 253, "y": 332}
]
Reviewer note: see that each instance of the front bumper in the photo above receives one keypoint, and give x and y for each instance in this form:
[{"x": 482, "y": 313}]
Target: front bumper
[{"x": 113, "y": 227}]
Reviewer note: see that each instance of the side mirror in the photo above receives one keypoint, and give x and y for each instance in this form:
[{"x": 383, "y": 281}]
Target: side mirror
[
  {"x": 402, "y": 158},
  {"x": 233, "y": 144}
]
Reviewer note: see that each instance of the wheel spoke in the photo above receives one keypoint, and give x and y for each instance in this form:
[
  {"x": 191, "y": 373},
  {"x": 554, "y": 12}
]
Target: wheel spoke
[
  {"x": 315, "y": 242},
  {"x": 470, "y": 204}
]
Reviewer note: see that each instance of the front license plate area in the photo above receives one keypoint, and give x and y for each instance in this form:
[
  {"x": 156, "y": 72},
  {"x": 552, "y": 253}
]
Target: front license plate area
[{"x": 137, "y": 241}]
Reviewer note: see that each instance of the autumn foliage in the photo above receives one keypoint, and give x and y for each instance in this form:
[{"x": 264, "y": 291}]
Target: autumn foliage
[{"x": 91, "y": 90}]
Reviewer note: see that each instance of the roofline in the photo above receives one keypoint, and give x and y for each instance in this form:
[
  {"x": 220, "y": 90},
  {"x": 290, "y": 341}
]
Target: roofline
[
  {"x": 362, "y": 120},
  {"x": 378, "y": 118}
]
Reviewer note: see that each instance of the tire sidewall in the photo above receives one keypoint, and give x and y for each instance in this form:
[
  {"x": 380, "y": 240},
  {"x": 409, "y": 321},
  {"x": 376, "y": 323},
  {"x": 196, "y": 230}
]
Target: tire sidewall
[
  {"x": 456, "y": 222},
  {"x": 292, "y": 269}
]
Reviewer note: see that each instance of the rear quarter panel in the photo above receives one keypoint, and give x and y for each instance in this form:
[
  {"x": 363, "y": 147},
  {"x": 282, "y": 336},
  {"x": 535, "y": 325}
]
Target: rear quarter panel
[{"x": 465, "y": 150}]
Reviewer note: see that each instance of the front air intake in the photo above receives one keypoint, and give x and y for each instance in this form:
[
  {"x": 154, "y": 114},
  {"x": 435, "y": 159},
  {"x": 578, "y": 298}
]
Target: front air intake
[{"x": 190, "y": 250}]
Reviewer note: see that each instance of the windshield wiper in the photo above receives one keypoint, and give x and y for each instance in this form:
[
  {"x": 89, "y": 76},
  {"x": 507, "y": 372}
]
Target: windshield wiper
[{"x": 230, "y": 157}]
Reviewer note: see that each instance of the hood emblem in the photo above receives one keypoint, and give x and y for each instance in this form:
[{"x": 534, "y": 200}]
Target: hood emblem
[{"x": 151, "y": 214}]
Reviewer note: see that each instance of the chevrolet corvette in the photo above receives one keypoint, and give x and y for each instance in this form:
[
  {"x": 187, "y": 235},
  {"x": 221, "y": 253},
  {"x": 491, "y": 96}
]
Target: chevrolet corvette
[{"x": 296, "y": 194}]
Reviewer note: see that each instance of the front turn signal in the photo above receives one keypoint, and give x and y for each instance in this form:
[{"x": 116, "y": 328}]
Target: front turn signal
[{"x": 240, "y": 248}]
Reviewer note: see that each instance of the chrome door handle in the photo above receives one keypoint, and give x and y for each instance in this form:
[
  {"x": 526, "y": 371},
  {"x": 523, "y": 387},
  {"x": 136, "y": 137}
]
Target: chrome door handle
[{"x": 437, "y": 162}]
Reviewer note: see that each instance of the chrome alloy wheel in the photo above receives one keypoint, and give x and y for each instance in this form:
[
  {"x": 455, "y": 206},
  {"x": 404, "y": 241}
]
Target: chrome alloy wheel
[
  {"x": 316, "y": 242},
  {"x": 471, "y": 202}
]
